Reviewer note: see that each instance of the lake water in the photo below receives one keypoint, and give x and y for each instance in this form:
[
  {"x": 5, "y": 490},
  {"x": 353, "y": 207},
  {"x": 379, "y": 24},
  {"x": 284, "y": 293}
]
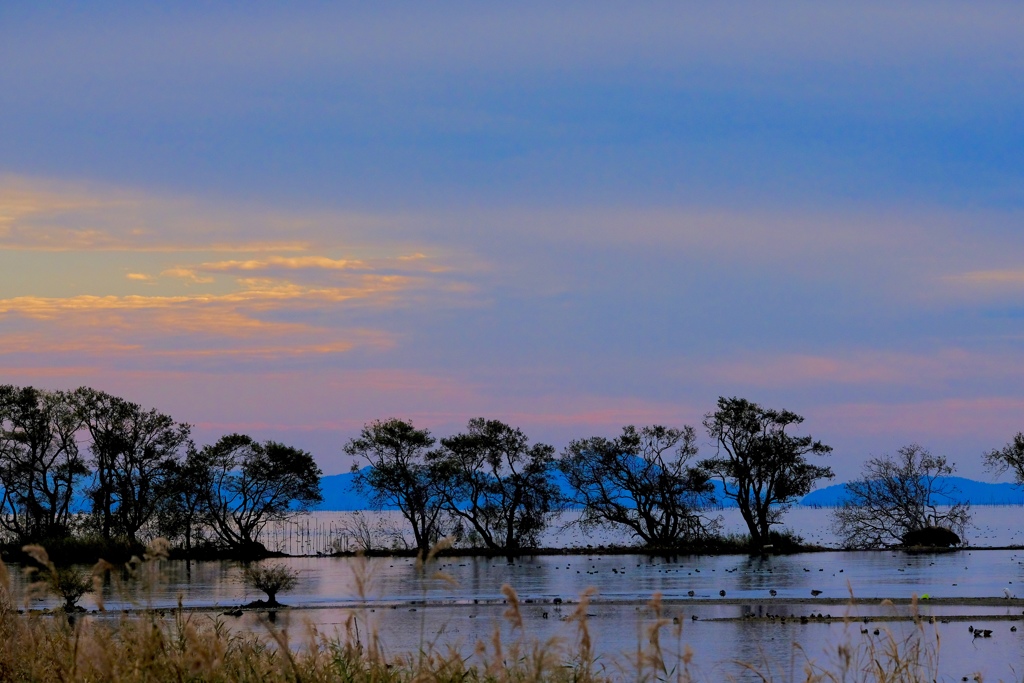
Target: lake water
[
  {"x": 409, "y": 606},
  {"x": 993, "y": 526},
  {"x": 459, "y": 601}
]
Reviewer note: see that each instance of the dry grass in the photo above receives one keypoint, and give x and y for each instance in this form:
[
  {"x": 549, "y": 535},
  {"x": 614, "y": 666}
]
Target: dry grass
[{"x": 148, "y": 646}]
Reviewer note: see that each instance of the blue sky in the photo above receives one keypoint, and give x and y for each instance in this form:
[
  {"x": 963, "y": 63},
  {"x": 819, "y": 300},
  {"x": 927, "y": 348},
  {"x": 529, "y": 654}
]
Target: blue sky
[{"x": 290, "y": 220}]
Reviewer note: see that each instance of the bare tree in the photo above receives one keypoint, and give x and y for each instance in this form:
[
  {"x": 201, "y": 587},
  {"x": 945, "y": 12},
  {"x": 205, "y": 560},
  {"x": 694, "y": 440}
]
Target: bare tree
[
  {"x": 896, "y": 496},
  {"x": 1009, "y": 457},
  {"x": 643, "y": 481},
  {"x": 367, "y": 534}
]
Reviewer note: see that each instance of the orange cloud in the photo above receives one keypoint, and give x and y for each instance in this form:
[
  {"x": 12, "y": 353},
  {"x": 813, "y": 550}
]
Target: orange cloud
[
  {"x": 294, "y": 262},
  {"x": 44, "y": 215},
  {"x": 187, "y": 274}
]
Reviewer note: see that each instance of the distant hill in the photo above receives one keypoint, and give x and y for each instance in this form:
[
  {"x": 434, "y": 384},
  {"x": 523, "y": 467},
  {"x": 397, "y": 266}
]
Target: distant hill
[
  {"x": 339, "y": 495},
  {"x": 974, "y": 492}
]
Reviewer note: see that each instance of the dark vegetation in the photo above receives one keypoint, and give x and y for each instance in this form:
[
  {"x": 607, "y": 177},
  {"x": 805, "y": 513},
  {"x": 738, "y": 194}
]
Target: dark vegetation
[
  {"x": 400, "y": 476},
  {"x": 643, "y": 481},
  {"x": 139, "y": 476},
  {"x": 763, "y": 467},
  {"x": 271, "y": 579},
  {"x": 495, "y": 486},
  {"x": 493, "y": 492},
  {"x": 896, "y": 502}
]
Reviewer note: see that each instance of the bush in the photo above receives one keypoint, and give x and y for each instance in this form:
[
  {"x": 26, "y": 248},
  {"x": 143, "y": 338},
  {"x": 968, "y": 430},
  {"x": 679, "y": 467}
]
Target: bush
[
  {"x": 271, "y": 579},
  {"x": 67, "y": 583}
]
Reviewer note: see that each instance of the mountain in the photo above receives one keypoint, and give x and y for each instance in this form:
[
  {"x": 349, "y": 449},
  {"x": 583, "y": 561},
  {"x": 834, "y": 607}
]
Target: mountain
[
  {"x": 967, "y": 490},
  {"x": 339, "y": 495}
]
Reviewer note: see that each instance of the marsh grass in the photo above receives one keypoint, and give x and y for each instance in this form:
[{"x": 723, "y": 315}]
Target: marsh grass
[{"x": 149, "y": 645}]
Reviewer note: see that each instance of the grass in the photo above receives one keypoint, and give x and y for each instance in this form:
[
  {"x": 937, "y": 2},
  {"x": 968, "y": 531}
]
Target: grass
[{"x": 150, "y": 645}]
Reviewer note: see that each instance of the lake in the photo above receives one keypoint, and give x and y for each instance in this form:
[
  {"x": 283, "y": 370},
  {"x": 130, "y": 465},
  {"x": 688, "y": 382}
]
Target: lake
[
  {"x": 409, "y": 607},
  {"x": 993, "y": 526}
]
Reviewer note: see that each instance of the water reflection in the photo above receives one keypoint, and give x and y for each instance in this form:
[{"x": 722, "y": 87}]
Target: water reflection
[{"x": 409, "y": 607}]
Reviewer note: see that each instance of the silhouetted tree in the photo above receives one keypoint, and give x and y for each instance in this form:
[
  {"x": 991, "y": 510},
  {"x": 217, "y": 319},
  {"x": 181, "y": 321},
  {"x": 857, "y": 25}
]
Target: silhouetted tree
[
  {"x": 399, "y": 476},
  {"x": 762, "y": 467},
  {"x": 40, "y": 464},
  {"x": 271, "y": 579},
  {"x": 252, "y": 484},
  {"x": 642, "y": 480},
  {"x": 495, "y": 481},
  {"x": 133, "y": 450},
  {"x": 1009, "y": 457},
  {"x": 896, "y": 496},
  {"x": 184, "y": 499}
]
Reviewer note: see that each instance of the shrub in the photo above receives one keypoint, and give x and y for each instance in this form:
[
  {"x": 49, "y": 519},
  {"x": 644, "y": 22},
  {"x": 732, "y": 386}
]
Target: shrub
[
  {"x": 67, "y": 583},
  {"x": 271, "y": 579}
]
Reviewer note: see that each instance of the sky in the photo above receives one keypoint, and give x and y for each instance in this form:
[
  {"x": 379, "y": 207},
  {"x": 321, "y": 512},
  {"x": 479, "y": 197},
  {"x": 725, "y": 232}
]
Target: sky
[{"x": 288, "y": 220}]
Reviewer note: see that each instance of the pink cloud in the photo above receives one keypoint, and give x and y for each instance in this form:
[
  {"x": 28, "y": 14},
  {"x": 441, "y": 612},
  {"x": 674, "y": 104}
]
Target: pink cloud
[
  {"x": 986, "y": 417},
  {"x": 864, "y": 368}
]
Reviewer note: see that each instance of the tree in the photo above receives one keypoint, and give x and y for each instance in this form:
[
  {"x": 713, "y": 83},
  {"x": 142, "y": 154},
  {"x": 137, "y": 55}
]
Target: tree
[
  {"x": 898, "y": 496},
  {"x": 184, "y": 494},
  {"x": 133, "y": 450},
  {"x": 643, "y": 481},
  {"x": 67, "y": 583},
  {"x": 399, "y": 476},
  {"x": 1009, "y": 457},
  {"x": 251, "y": 484},
  {"x": 762, "y": 467},
  {"x": 271, "y": 579},
  {"x": 40, "y": 464},
  {"x": 495, "y": 481}
]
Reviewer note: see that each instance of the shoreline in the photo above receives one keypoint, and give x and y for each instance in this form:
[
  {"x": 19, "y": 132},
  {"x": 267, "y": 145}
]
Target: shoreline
[{"x": 13, "y": 553}]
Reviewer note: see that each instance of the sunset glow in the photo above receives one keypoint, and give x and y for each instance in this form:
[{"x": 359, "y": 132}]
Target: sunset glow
[{"x": 290, "y": 222}]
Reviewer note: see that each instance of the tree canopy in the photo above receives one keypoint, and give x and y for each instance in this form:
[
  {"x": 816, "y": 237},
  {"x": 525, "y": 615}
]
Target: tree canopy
[
  {"x": 133, "y": 450},
  {"x": 762, "y": 466},
  {"x": 253, "y": 483},
  {"x": 492, "y": 479},
  {"x": 642, "y": 480},
  {"x": 399, "y": 475},
  {"x": 40, "y": 463}
]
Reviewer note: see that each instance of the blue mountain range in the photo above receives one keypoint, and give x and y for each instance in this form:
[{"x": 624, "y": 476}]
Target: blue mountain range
[
  {"x": 965, "y": 491},
  {"x": 339, "y": 494}
]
